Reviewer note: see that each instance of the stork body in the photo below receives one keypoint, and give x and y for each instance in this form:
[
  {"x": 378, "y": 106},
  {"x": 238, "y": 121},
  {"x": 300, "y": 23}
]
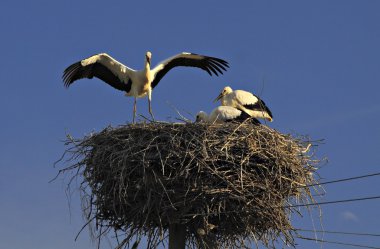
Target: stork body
[
  {"x": 222, "y": 114},
  {"x": 245, "y": 101},
  {"x": 138, "y": 83}
]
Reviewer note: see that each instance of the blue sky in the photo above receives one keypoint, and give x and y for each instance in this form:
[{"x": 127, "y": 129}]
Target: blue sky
[{"x": 315, "y": 64}]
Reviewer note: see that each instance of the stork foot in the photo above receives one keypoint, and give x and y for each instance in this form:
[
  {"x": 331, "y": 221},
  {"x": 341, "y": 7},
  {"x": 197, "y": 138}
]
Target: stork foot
[{"x": 151, "y": 114}]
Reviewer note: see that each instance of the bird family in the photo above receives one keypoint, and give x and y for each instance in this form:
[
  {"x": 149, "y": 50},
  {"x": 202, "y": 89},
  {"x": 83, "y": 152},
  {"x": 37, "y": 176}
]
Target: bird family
[{"x": 235, "y": 106}]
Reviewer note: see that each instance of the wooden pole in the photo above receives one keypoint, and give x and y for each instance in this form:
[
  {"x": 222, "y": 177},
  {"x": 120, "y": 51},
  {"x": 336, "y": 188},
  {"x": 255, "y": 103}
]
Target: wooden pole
[
  {"x": 208, "y": 242},
  {"x": 177, "y": 236}
]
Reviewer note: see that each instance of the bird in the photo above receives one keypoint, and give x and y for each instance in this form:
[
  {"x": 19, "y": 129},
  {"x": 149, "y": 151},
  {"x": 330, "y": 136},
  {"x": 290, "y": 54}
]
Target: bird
[
  {"x": 138, "y": 83},
  {"x": 245, "y": 101},
  {"x": 222, "y": 114}
]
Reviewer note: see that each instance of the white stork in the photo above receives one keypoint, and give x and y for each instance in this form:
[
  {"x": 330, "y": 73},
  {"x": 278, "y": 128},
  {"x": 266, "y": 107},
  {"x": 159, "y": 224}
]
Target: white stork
[
  {"x": 223, "y": 114},
  {"x": 133, "y": 82},
  {"x": 246, "y": 102}
]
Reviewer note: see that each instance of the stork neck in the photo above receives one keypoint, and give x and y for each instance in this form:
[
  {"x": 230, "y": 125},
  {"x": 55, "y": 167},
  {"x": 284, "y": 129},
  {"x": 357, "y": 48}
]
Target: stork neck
[
  {"x": 147, "y": 66},
  {"x": 223, "y": 100}
]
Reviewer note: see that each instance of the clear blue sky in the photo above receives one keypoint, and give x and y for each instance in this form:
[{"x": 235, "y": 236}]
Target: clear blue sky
[{"x": 315, "y": 63}]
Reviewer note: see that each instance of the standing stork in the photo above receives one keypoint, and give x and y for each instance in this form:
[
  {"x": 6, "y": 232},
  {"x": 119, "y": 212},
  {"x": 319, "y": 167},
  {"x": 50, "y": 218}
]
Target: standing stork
[
  {"x": 138, "y": 83},
  {"x": 222, "y": 114},
  {"x": 246, "y": 102}
]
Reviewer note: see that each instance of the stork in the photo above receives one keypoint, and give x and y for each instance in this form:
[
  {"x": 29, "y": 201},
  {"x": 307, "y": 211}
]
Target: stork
[
  {"x": 138, "y": 83},
  {"x": 223, "y": 114},
  {"x": 245, "y": 101}
]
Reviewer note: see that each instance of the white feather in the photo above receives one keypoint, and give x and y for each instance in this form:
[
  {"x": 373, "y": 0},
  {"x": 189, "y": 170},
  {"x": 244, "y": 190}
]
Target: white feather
[
  {"x": 117, "y": 68},
  {"x": 220, "y": 114}
]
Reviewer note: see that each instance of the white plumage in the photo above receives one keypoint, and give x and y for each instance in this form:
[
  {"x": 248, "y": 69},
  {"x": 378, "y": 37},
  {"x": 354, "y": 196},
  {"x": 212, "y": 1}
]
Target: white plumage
[
  {"x": 223, "y": 114},
  {"x": 246, "y": 102},
  {"x": 138, "y": 83}
]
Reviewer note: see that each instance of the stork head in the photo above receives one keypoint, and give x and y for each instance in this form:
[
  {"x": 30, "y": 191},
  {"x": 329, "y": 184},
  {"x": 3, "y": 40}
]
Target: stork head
[
  {"x": 201, "y": 117},
  {"x": 224, "y": 92},
  {"x": 148, "y": 56}
]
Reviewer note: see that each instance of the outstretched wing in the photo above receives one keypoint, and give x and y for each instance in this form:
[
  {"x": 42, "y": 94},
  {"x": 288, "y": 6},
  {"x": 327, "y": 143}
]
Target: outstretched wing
[
  {"x": 209, "y": 64},
  {"x": 101, "y": 66}
]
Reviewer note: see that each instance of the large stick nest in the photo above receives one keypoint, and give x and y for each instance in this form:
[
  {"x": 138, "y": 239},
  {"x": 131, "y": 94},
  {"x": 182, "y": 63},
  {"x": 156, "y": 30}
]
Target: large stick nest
[{"x": 232, "y": 184}]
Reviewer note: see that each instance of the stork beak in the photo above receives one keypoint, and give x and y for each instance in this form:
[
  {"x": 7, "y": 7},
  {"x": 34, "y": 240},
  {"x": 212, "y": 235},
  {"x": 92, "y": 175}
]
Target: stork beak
[
  {"x": 219, "y": 97},
  {"x": 148, "y": 60}
]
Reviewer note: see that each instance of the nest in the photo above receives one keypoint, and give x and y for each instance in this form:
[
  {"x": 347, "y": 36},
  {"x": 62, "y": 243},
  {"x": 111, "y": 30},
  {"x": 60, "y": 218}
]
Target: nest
[{"x": 231, "y": 184}]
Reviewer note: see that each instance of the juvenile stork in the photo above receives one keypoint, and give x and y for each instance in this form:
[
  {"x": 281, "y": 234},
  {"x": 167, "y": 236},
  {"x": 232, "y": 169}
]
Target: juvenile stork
[
  {"x": 222, "y": 114},
  {"x": 246, "y": 102},
  {"x": 138, "y": 83}
]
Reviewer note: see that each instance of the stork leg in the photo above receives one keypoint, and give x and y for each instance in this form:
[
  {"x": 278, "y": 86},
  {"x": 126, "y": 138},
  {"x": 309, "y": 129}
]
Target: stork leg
[
  {"x": 134, "y": 111},
  {"x": 150, "y": 103},
  {"x": 150, "y": 108}
]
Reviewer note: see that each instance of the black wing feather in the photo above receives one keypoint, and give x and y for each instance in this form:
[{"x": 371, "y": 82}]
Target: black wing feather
[
  {"x": 76, "y": 71},
  {"x": 259, "y": 106},
  {"x": 209, "y": 64},
  {"x": 243, "y": 117},
  {"x": 218, "y": 66}
]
